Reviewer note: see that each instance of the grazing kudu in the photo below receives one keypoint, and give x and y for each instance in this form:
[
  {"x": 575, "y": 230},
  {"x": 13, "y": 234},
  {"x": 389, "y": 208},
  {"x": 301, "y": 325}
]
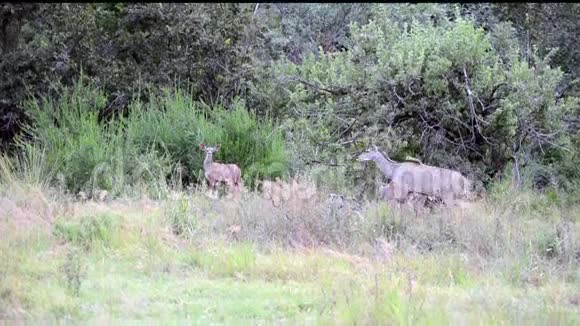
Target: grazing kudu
[
  {"x": 413, "y": 177},
  {"x": 216, "y": 173}
]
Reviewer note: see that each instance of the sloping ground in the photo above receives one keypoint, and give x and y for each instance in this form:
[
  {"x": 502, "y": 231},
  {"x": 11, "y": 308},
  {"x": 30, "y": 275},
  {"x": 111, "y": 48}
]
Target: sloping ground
[{"x": 193, "y": 259}]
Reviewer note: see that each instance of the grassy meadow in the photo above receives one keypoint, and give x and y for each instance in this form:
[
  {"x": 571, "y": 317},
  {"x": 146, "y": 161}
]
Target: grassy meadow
[
  {"x": 189, "y": 258},
  {"x": 104, "y": 207},
  {"x": 108, "y": 221}
]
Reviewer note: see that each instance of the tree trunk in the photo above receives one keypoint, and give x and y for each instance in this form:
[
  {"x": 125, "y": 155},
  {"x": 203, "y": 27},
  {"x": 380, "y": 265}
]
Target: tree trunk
[
  {"x": 11, "y": 18},
  {"x": 517, "y": 180},
  {"x": 9, "y": 30}
]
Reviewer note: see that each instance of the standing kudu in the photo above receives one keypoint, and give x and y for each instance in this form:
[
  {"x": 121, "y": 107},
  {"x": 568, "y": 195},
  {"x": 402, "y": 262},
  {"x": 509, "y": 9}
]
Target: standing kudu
[
  {"x": 217, "y": 173},
  {"x": 418, "y": 178}
]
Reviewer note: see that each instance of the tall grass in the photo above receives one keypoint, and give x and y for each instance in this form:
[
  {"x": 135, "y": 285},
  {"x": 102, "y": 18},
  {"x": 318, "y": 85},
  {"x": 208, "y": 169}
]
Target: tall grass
[
  {"x": 29, "y": 168},
  {"x": 88, "y": 155},
  {"x": 157, "y": 143},
  {"x": 176, "y": 124},
  {"x": 258, "y": 147}
]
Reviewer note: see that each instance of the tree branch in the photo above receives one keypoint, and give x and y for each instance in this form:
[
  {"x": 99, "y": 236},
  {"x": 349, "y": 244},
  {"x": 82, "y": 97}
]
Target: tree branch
[
  {"x": 324, "y": 163},
  {"x": 560, "y": 94},
  {"x": 335, "y": 91},
  {"x": 256, "y": 9},
  {"x": 495, "y": 89}
]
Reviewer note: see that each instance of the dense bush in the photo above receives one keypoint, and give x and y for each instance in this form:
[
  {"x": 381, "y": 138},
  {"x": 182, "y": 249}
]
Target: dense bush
[
  {"x": 150, "y": 146},
  {"x": 456, "y": 86},
  {"x": 447, "y": 92},
  {"x": 84, "y": 152},
  {"x": 174, "y": 123},
  {"x": 118, "y": 44},
  {"x": 125, "y": 48}
]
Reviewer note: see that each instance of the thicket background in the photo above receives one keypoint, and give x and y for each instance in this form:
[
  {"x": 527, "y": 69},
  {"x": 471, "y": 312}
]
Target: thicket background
[{"x": 118, "y": 95}]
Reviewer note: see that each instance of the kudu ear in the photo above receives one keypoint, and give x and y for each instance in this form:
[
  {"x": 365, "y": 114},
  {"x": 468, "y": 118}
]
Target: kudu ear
[
  {"x": 202, "y": 146},
  {"x": 217, "y": 148}
]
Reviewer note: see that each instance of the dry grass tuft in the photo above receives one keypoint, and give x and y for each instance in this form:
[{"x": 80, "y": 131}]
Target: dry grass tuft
[{"x": 23, "y": 209}]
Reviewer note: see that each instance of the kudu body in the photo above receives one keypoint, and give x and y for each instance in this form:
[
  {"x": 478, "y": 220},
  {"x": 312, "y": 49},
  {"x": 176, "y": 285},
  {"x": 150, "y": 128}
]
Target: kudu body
[
  {"x": 395, "y": 196},
  {"x": 217, "y": 173},
  {"x": 295, "y": 193},
  {"x": 418, "y": 178}
]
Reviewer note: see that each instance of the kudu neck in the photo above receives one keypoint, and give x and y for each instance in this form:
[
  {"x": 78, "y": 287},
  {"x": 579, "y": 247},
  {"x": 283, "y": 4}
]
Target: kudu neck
[
  {"x": 208, "y": 161},
  {"x": 386, "y": 166}
]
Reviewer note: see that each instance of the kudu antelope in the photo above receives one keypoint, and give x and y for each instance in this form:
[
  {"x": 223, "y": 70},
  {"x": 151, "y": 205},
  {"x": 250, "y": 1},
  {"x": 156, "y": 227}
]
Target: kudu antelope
[
  {"x": 414, "y": 177},
  {"x": 393, "y": 194},
  {"x": 217, "y": 173},
  {"x": 296, "y": 194}
]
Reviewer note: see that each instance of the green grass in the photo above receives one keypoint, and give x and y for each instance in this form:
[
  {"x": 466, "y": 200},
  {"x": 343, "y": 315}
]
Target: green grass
[
  {"x": 119, "y": 288},
  {"x": 124, "y": 261},
  {"x": 192, "y": 259}
]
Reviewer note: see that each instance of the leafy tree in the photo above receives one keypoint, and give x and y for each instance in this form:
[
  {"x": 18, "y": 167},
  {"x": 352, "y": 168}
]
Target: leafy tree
[
  {"x": 126, "y": 48},
  {"x": 445, "y": 91},
  {"x": 541, "y": 26}
]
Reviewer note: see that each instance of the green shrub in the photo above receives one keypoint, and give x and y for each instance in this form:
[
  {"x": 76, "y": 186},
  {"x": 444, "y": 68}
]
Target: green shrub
[
  {"x": 149, "y": 147},
  {"x": 447, "y": 92},
  {"x": 86, "y": 231},
  {"x": 69, "y": 130},
  {"x": 258, "y": 147},
  {"x": 166, "y": 124},
  {"x": 176, "y": 125},
  {"x": 181, "y": 218},
  {"x": 88, "y": 154}
]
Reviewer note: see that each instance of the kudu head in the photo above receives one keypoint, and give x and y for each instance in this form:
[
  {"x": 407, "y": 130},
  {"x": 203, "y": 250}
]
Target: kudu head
[
  {"x": 371, "y": 154},
  {"x": 209, "y": 150}
]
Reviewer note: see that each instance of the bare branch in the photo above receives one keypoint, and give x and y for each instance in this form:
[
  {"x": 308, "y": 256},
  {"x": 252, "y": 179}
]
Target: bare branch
[
  {"x": 545, "y": 138},
  {"x": 337, "y": 90},
  {"x": 347, "y": 129},
  {"x": 403, "y": 117},
  {"x": 560, "y": 94},
  {"x": 470, "y": 98},
  {"x": 474, "y": 115},
  {"x": 400, "y": 99},
  {"x": 256, "y": 9},
  {"x": 324, "y": 163},
  {"x": 495, "y": 89}
]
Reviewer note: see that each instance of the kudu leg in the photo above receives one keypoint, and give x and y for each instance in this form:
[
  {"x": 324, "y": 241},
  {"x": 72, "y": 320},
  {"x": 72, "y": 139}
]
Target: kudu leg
[
  {"x": 209, "y": 192},
  {"x": 448, "y": 201},
  {"x": 215, "y": 190},
  {"x": 231, "y": 190},
  {"x": 237, "y": 191}
]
